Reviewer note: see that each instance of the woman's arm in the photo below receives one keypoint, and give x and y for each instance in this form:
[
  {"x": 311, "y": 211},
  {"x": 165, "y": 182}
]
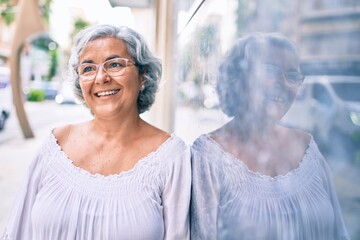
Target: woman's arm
[
  {"x": 340, "y": 231},
  {"x": 19, "y": 224},
  {"x": 205, "y": 196},
  {"x": 176, "y": 195}
]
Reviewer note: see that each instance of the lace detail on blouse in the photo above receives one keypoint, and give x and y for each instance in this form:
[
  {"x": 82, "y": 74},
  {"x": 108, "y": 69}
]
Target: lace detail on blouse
[{"x": 147, "y": 170}]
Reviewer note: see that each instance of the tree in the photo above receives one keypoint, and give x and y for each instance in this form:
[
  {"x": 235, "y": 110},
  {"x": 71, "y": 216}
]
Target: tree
[
  {"x": 78, "y": 25},
  {"x": 7, "y": 11}
]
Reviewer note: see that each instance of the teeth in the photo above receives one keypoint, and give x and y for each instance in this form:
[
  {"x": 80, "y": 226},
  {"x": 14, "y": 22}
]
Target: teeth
[
  {"x": 276, "y": 99},
  {"x": 107, "y": 93}
]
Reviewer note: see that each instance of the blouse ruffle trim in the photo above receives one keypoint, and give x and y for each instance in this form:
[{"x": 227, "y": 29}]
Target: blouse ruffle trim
[
  {"x": 231, "y": 159},
  {"x": 149, "y": 171},
  {"x": 143, "y": 161}
]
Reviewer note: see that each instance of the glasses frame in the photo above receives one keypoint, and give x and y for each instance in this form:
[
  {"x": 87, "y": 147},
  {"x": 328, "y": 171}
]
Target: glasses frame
[
  {"x": 286, "y": 75},
  {"x": 83, "y": 78}
]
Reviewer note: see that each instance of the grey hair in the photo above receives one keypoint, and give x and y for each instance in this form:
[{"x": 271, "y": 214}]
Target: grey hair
[
  {"x": 233, "y": 85},
  {"x": 147, "y": 64}
]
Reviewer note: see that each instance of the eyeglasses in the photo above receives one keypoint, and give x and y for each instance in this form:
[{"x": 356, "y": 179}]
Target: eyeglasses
[
  {"x": 273, "y": 73},
  {"x": 113, "y": 67}
]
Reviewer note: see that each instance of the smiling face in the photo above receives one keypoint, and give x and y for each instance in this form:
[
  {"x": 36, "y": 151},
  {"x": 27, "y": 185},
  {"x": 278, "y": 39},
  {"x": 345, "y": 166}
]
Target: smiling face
[
  {"x": 272, "y": 78},
  {"x": 108, "y": 96}
]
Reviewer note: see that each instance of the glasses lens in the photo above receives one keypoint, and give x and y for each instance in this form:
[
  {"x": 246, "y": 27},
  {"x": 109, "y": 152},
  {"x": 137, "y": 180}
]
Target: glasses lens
[
  {"x": 272, "y": 73},
  {"x": 87, "y": 71},
  {"x": 295, "y": 78},
  {"x": 115, "y": 67}
]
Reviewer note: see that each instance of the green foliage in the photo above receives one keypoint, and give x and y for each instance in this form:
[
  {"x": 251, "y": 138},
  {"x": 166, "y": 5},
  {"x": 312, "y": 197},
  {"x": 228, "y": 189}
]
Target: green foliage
[
  {"x": 42, "y": 42},
  {"x": 7, "y": 14},
  {"x": 197, "y": 79},
  {"x": 46, "y": 44},
  {"x": 79, "y": 24},
  {"x": 53, "y": 64},
  {"x": 36, "y": 95},
  {"x": 242, "y": 15},
  {"x": 207, "y": 40},
  {"x": 45, "y": 10},
  {"x": 186, "y": 63},
  {"x": 357, "y": 158},
  {"x": 356, "y": 138}
]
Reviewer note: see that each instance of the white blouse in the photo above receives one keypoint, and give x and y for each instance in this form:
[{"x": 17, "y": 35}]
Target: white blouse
[
  {"x": 229, "y": 201},
  {"x": 61, "y": 201}
]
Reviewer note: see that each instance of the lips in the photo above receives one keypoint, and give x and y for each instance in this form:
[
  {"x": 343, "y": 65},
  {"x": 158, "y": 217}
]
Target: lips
[{"x": 107, "y": 93}]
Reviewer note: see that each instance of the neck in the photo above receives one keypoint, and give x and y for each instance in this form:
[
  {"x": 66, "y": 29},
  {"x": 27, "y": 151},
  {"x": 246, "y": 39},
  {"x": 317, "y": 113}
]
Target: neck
[
  {"x": 119, "y": 128},
  {"x": 250, "y": 126},
  {"x": 251, "y": 130}
]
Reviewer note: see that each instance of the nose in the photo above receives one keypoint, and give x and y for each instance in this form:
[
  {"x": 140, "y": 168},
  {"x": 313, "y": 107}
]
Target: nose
[{"x": 101, "y": 76}]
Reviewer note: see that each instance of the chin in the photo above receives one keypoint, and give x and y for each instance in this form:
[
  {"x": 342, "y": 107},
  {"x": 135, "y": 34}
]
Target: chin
[
  {"x": 105, "y": 111},
  {"x": 277, "y": 112}
]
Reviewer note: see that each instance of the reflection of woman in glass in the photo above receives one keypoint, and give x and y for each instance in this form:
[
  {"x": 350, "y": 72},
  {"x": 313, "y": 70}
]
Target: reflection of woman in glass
[{"x": 252, "y": 178}]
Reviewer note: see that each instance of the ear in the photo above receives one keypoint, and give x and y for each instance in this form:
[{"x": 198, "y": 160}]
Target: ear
[
  {"x": 142, "y": 79},
  {"x": 142, "y": 83},
  {"x": 142, "y": 71}
]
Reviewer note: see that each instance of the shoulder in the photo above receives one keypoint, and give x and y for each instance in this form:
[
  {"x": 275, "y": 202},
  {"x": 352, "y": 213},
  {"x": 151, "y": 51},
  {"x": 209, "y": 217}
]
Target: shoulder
[
  {"x": 306, "y": 140},
  {"x": 173, "y": 157},
  {"x": 155, "y": 139},
  {"x": 201, "y": 142},
  {"x": 174, "y": 147},
  {"x": 205, "y": 145},
  {"x": 62, "y": 132},
  {"x": 296, "y": 140},
  {"x": 167, "y": 151},
  {"x": 206, "y": 153},
  {"x": 301, "y": 135},
  {"x": 171, "y": 149},
  {"x": 312, "y": 152},
  {"x": 303, "y": 138}
]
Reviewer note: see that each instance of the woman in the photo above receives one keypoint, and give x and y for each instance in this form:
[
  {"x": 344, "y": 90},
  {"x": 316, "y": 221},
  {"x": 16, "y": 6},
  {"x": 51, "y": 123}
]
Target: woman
[
  {"x": 253, "y": 178},
  {"x": 115, "y": 176}
]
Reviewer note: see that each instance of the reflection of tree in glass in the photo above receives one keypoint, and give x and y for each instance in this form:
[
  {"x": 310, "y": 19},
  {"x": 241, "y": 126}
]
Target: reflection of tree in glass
[
  {"x": 207, "y": 41},
  {"x": 198, "y": 65}
]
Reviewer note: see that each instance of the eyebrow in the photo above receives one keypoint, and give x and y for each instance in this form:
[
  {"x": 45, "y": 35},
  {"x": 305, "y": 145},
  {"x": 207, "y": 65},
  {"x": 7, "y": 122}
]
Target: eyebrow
[{"x": 108, "y": 58}]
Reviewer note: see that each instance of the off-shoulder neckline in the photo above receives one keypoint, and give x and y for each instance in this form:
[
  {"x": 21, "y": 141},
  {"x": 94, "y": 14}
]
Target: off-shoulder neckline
[
  {"x": 147, "y": 158},
  {"x": 239, "y": 162}
]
